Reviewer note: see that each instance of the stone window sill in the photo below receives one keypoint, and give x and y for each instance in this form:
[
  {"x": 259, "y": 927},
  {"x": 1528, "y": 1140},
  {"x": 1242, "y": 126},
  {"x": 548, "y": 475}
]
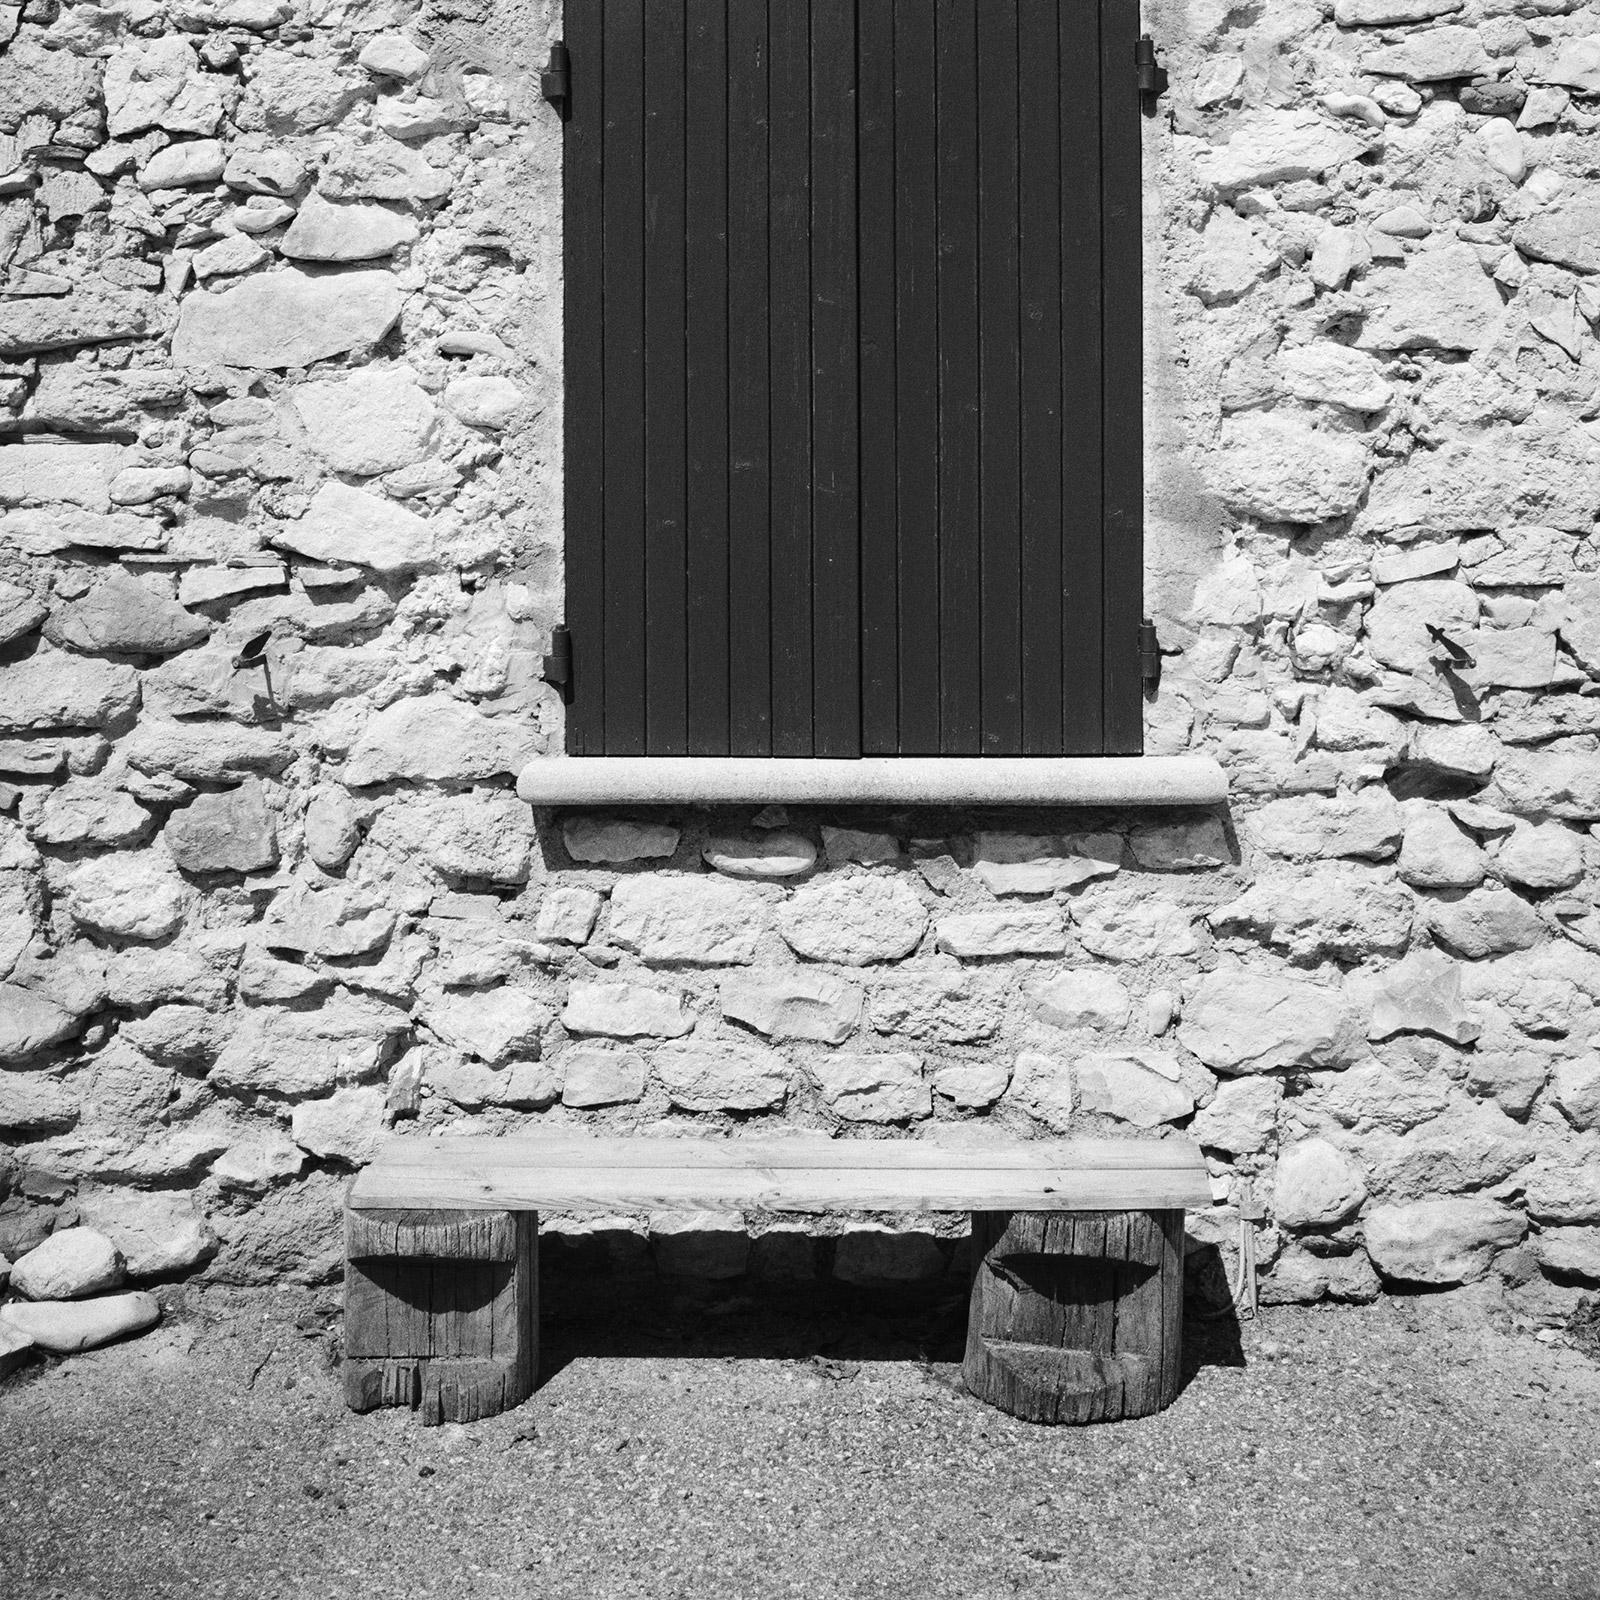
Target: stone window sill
[{"x": 905, "y": 780}]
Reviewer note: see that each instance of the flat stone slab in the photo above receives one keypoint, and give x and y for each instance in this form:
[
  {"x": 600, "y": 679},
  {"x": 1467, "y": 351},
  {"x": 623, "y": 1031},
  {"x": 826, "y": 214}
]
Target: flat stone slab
[
  {"x": 67, "y": 1326},
  {"x": 941, "y": 780}
]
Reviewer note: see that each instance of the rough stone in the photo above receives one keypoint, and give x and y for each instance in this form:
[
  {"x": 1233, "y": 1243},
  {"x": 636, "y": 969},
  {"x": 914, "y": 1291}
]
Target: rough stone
[
  {"x": 1334, "y": 911},
  {"x": 1441, "y": 299},
  {"x": 1436, "y": 853},
  {"x": 1278, "y": 147},
  {"x": 1042, "y": 1087},
  {"x": 1020, "y": 863},
  {"x": 1318, "y": 1186},
  {"x": 346, "y": 230},
  {"x": 720, "y": 1075},
  {"x": 482, "y": 401},
  {"x": 335, "y": 921},
  {"x": 51, "y": 689},
  {"x": 873, "y": 1256},
  {"x": 1544, "y": 856},
  {"x": 1440, "y": 1241},
  {"x": 64, "y": 1327},
  {"x": 853, "y": 921},
  {"x": 1282, "y": 471},
  {"x": 392, "y": 55},
  {"x": 1569, "y": 1253},
  {"x": 1561, "y": 784},
  {"x": 284, "y": 319},
  {"x": 843, "y": 845},
  {"x": 157, "y": 1234},
  {"x": 1387, "y": 13},
  {"x": 1368, "y": 824},
  {"x": 521, "y": 1086},
  {"x": 567, "y": 914},
  {"x": 1334, "y": 374},
  {"x": 1431, "y": 55},
  {"x": 70, "y": 1265},
  {"x": 346, "y": 524},
  {"x": 1242, "y": 1117},
  {"x": 88, "y": 811},
  {"x": 972, "y": 1085},
  {"x": 625, "y": 1011},
  {"x": 1576, "y": 1091},
  {"x": 936, "y": 1001},
  {"x": 378, "y": 419},
  {"x": 1484, "y": 923},
  {"x": 332, "y": 828},
  {"x": 132, "y": 896},
  {"x": 492, "y": 1026},
  {"x": 469, "y": 838},
  {"x": 611, "y": 841},
  {"x": 1182, "y": 846},
  {"x": 1135, "y": 926},
  {"x": 228, "y": 832},
  {"x": 21, "y": 611},
  {"x": 1137, "y": 1086},
  {"x": 345, "y": 1127},
  {"x": 32, "y": 1104},
  {"x": 1015, "y": 931},
  {"x": 795, "y": 1004},
  {"x": 122, "y": 616},
  {"x": 693, "y": 921},
  {"x": 382, "y": 169},
  {"x": 434, "y": 739},
  {"x": 874, "y": 1088},
  {"x": 206, "y": 752},
  {"x": 292, "y": 94},
  {"x": 760, "y": 854},
  {"x": 601, "y": 1075},
  {"x": 1084, "y": 997},
  {"x": 183, "y": 166},
  {"x": 1422, "y": 994},
  {"x": 1566, "y": 233},
  {"x": 1237, "y": 1021}
]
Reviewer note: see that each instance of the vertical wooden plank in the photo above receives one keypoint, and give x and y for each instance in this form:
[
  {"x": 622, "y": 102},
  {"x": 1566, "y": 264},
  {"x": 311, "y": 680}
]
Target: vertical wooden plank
[
  {"x": 1122, "y": 257},
  {"x": 999, "y": 489},
  {"x": 1082, "y": 300},
  {"x": 835, "y": 394},
  {"x": 623, "y": 287},
  {"x": 875, "y": 169},
  {"x": 916, "y": 272},
  {"x": 583, "y": 397},
  {"x": 1041, "y": 287},
  {"x": 789, "y": 341},
  {"x": 666, "y": 625},
  {"x": 749, "y": 449},
  {"x": 960, "y": 574},
  {"x": 706, "y": 285}
]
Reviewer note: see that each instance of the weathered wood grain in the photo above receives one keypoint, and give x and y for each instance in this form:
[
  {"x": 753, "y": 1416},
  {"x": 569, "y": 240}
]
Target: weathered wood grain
[
  {"x": 1076, "y": 1318},
  {"x": 441, "y": 1311}
]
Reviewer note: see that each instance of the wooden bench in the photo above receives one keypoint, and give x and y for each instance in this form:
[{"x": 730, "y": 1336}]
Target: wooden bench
[{"x": 1077, "y": 1294}]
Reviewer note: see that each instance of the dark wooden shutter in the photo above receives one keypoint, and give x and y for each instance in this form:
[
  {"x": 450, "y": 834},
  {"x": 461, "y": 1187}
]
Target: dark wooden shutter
[{"x": 853, "y": 377}]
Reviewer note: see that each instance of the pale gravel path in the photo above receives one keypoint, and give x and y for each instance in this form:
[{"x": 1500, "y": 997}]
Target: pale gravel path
[{"x": 1383, "y": 1452}]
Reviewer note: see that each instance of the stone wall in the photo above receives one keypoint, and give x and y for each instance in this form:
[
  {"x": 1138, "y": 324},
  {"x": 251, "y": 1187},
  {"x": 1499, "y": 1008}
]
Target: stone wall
[{"x": 279, "y": 550}]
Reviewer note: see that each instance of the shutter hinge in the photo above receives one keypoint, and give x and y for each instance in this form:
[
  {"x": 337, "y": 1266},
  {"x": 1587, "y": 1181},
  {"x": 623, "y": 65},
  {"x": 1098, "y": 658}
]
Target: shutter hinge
[
  {"x": 555, "y": 82},
  {"x": 558, "y": 664},
  {"x": 1455, "y": 655},
  {"x": 1151, "y": 74},
  {"x": 1150, "y": 654}
]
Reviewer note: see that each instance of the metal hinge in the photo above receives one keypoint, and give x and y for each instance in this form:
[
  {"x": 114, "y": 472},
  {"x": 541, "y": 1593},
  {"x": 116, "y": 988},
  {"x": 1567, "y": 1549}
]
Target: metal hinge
[
  {"x": 1150, "y": 654},
  {"x": 558, "y": 664},
  {"x": 555, "y": 82},
  {"x": 1152, "y": 75}
]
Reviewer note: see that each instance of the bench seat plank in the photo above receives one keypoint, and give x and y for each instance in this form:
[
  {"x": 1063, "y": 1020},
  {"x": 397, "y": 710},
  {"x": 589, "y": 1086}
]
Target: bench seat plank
[{"x": 625, "y": 1175}]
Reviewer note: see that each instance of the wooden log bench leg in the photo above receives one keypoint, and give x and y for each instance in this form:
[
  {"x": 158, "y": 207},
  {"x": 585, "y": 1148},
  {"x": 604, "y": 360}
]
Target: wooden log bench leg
[
  {"x": 1076, "y": 1316},
  {"x": 441, "y": 1311}
]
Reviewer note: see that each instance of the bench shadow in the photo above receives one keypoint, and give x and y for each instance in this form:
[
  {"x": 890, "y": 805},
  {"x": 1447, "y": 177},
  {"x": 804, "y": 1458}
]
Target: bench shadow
[{"x": 594, "y": 1305}]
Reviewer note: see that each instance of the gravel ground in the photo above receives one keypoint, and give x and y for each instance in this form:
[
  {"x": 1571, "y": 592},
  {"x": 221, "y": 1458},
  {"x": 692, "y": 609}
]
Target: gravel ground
[{"x": 695, "y": 1447}]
